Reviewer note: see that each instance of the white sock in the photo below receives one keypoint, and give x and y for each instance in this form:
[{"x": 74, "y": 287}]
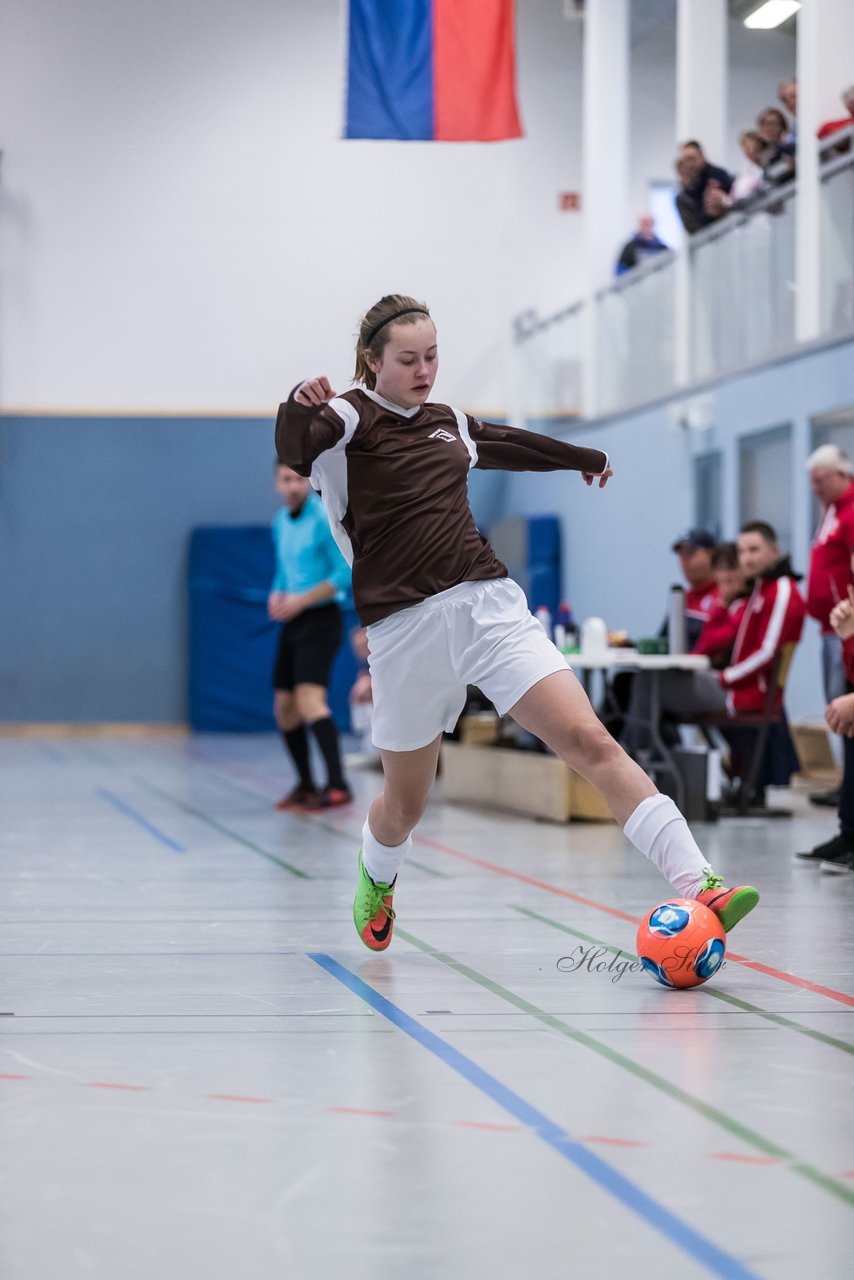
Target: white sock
[
  {"x": 381, "y": 861},
  {"x": 658, "y": 829}
]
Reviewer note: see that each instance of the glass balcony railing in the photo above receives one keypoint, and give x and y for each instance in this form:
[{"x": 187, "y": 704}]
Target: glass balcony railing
[
  {"x": 837, "y": 234},
  {"x": 550, "y": 358},
  {"x": 742, "y": 300},
  {"x": 635, "y": 325}
]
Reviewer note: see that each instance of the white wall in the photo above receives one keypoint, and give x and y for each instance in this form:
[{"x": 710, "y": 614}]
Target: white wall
[{"x": 182, "y": 228}]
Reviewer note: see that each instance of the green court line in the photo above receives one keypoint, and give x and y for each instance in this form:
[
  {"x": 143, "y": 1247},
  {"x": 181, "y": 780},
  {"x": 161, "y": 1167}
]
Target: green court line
[
  {"x": 844, "y": 1045},
  {"x": 720, "y": 1118},
  {"x": 218, "y": 826}
]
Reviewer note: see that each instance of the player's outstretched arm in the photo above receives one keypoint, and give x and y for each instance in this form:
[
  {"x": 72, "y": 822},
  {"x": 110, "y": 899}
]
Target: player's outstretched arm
[{"x": 501, "y": 448}]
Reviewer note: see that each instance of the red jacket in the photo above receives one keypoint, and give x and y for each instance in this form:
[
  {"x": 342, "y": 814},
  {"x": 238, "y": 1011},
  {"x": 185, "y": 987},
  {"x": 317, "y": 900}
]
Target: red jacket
[
  {"x": 848, "y": 657},
  {"x": 830, "y": 559},
  {"x": 773, "y": 616},
  {"x": 701, "y": 601},
  {"x": 718, "y": 635}
]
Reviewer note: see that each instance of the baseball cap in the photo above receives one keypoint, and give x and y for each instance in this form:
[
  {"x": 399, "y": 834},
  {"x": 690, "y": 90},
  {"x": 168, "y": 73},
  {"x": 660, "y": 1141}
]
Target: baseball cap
[{"x": 695, "y": 538}]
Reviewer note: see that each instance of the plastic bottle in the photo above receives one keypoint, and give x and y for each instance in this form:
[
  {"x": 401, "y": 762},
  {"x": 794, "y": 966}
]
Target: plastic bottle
[
  {"x": 544, "y": 618},
  {"x": 566, "y": 632},
  {"x": 676, "y": 620}
]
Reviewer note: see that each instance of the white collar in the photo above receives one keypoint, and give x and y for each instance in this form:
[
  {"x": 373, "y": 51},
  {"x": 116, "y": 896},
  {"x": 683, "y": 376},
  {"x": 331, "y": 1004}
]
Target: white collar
[{"x": 394, "y": 408}]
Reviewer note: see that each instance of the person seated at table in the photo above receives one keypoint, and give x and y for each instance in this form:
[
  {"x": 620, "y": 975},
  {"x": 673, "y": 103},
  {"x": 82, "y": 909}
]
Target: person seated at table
[
  {"x": 694, "y": 549},
  {"x": 771, "y": 617},
  {"x": 717, "y": 637}
]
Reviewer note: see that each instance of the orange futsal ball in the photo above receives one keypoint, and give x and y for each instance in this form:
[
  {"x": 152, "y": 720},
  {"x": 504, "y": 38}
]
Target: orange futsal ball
[{"x": 681, "y": 943}]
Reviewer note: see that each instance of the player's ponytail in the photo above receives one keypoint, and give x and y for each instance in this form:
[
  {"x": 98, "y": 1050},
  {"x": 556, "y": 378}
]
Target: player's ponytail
[{"x": 374, "y": 331}]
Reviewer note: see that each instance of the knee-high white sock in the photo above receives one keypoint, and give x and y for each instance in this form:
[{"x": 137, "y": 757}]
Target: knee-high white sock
[
  {"x": 658, "y": 829},
  {"x": 381, "y": 861}
]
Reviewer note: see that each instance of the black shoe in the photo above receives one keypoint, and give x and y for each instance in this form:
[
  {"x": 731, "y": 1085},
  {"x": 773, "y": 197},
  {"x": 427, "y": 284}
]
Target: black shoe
[
  {"x": 838, "y": 850},
  {"x": 839, "y": 866},
  {"x": 826, "y": 799}
]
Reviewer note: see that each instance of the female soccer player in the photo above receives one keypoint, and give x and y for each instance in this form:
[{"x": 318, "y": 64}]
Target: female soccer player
[{"x": 441, "y": 612}]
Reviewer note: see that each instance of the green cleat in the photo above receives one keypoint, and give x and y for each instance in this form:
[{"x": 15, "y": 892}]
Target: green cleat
[
  {"x": 729, "y": 905},
  {"x": 373, "y": 913}
]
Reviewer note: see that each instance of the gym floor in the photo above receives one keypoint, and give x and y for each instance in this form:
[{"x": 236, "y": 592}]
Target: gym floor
[{"x": 204, "y": 1073}]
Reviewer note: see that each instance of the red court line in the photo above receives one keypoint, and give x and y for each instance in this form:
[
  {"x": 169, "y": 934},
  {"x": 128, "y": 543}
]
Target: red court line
[
  {"x": 236, "y": 1097},
  {"x": 105, "y": 1084},
  {"x": 5, "y": 1076},
  {"x": 768, "y": 969}
]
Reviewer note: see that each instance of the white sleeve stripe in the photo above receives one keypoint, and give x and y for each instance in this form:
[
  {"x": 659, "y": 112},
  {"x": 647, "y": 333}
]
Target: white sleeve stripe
[
  {"x": 350, "y": 417},
  {"x": 465, "y": 436},
  {"x": 770, "y": 640}
]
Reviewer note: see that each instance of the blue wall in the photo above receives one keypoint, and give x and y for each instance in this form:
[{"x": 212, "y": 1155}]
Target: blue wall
[
  {"x": 617, "y": 561},
  {"x": 95, "y": 516},
  {"x": 95, "y": 520}
]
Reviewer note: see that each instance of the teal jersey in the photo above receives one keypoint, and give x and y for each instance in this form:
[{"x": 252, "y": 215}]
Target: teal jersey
[{"x": 307, "y": 554}]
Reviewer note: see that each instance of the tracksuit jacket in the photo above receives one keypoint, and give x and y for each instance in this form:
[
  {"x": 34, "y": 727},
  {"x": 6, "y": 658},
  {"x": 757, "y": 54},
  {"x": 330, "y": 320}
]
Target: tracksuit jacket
[
  {"x": 830, "y": 559},
  {"x": 774, "y": 616}
]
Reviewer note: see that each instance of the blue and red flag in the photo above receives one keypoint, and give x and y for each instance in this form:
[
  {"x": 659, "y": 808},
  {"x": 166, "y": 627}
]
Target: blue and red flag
[{"x": 440, "y": 70}]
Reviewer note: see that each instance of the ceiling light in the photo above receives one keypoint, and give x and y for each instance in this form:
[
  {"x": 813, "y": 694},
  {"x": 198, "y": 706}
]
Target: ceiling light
[{"x": 771, "y": 14}]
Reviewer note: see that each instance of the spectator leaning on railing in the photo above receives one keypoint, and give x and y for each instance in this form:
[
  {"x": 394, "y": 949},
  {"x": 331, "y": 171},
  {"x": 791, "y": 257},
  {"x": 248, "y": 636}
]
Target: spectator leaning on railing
[
  {"x": 778, "y": 154},
  {"x": 698, "y": 179},
  {"x": 833, "y": 126},
  {"x": 748, "y": 183},
  {"x": 787, "y": 96},
  {"x": 750, "y": 179}
]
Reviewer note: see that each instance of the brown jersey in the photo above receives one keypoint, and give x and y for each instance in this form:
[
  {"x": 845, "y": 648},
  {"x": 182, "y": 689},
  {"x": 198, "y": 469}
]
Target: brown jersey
[{"x": 395, "y": 486}]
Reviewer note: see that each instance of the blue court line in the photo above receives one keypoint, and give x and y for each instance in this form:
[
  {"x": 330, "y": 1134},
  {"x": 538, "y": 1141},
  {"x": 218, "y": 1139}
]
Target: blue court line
[
  {"x": 139, "y": 819},
  {"x": 703, "y": 1250},
  {"x": 52, "y": 753}
]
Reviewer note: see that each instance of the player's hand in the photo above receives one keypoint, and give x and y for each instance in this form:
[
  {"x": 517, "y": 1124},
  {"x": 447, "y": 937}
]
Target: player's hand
[
  {"x": 314, "y": 391},
  {"x": 842, "y": 616},
  {"x": 602, "y": 476},
  {"x": 840, "y": 715},
  {"x": 274, "y": 605},
  {"x": 289, "y": 607}
]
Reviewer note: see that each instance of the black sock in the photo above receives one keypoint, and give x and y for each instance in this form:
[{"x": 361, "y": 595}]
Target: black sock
[
  {"x": 296, "y": 742},
  {"x": 327, "y": 739}
]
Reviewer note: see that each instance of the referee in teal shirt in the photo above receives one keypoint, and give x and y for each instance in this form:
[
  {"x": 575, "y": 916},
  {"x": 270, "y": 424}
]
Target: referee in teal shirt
[{"x": 312, "y": 580}]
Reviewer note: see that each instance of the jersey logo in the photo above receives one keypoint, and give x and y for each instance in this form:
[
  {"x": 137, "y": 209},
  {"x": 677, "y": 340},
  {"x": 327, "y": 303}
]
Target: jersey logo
[{"x": 441, "y": 434}]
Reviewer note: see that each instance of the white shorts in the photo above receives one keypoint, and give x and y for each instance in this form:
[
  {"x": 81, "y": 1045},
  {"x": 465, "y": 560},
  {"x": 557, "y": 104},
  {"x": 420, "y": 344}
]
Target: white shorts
[{"x": 422, "y": 658}]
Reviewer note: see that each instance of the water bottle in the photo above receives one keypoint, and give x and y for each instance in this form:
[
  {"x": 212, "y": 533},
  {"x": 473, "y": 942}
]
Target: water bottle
[
  {"x": 566, "y": 632},
  {"x": 544, "y": 618},
  {"x": 676, "y": 620}
]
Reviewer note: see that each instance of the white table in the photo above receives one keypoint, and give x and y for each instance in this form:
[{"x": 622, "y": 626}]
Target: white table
[{"x": 630, "y": 660}]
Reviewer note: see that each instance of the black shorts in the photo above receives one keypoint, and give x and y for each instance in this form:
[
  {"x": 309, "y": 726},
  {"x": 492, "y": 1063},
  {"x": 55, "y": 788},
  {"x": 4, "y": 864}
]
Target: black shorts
[{"x": 307, "y": 647}]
